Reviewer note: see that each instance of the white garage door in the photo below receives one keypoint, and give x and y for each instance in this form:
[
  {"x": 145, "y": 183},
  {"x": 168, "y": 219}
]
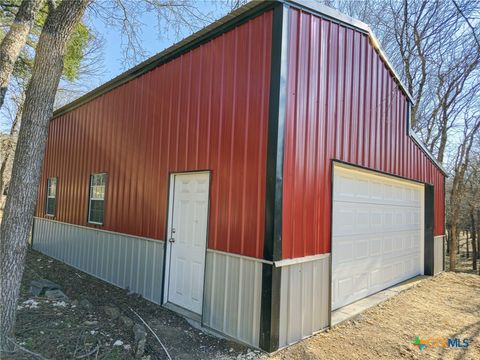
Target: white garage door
[{"x": 377, "y": 233}]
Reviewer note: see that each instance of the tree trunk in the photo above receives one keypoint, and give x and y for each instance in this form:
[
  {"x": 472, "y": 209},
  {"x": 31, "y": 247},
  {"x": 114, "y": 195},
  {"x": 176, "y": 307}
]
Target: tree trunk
[
  {"x": 453, "y": 247},
  {"x": 458, "y": 242},
  {"x": 37, "y": 112},
  {"x": 474, "y": 240},
  {"x": 10, "y": 148},
  {"x": 477, "y": 222},
  {"x": 443, "y": 143},
  {"x": 14, "y": 41},
  {"x": 466, "y": 239},
  {"x": 448, "y": 240}
]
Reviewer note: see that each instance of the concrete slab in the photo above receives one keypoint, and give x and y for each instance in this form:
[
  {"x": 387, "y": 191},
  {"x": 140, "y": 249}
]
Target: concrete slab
[{"x": 350, "y": 311}]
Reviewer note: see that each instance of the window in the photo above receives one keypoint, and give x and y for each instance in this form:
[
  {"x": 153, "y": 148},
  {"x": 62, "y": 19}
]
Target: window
[
  {"x": 50, "y": 205},
  {"x": 96, "y": 206}
]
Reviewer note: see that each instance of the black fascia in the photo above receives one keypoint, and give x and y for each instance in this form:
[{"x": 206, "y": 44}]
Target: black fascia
[{"x": 271, "y": 275}]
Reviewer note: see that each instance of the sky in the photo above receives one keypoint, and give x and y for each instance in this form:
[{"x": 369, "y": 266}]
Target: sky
[
  {"x": 113, "y": 62},
  {"x": 154, "y": 38}
]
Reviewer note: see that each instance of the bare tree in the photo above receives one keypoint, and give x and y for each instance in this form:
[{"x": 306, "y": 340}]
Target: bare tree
[
  {"x": 14, "y": 41},
  {"x": 37, "y": 111},
  {"x": 472, "y": 213},
  {"x": 174, "y": 18},
  {"x": 457, "y": 192},
  {"x": 435, "y": 54}
]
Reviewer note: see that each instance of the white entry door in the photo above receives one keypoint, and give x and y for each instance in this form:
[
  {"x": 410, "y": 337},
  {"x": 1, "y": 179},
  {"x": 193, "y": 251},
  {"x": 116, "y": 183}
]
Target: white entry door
[
  {"x": 377, "y": 233},
  {"x": 188, "y": 240}
]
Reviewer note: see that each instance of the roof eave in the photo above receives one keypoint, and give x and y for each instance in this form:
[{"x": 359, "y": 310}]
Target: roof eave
[
  {"x": 232, "y": 19},
  {"x": 422, "y": 146},
  {"x": 337, "y": 16}
]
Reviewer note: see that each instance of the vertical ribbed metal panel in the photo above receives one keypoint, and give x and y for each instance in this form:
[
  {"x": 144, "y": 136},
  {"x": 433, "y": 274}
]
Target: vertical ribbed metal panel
[
  {"x": 342, "y": 104},
  {"x": 438, "y": 254},
  {"x": 305, "y": 288},
  {"x": 233, "y": 287},
  {"x": 206, "y": 109},
  {"x": 125, "y": 261}
]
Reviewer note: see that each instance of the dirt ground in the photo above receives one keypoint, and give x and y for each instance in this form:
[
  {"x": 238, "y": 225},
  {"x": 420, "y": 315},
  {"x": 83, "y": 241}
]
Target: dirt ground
[
  {"x": 446, "y": 306},
  {"x": 82, "y": 328}
]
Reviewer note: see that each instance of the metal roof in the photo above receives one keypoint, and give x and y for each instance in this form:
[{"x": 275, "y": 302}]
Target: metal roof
[
  {"x": 218, "y": 27},
  {"x": 234, "y": 18}
]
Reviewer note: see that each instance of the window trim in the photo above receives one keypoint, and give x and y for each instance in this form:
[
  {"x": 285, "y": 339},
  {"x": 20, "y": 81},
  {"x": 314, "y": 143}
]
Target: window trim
[
  {"x": 90, "y": 197},
  {"x": 49, "y": 197}
]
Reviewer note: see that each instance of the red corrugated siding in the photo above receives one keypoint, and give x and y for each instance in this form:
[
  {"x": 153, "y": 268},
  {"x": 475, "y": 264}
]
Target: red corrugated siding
[
  {"x": 207, "y": 109},
  {"x": 342, "y": 104}
]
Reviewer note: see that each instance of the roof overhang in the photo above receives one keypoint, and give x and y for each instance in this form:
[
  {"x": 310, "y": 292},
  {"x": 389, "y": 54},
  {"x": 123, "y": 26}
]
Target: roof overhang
[
  {"x": 220, "y": 26},
  {"x": 416, "y": 139},
  {"x": 229, "y": 21}
]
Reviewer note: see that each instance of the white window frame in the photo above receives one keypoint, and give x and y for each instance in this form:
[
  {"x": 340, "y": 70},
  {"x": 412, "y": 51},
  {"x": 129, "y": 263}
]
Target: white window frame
[
  {"x": 48, "y": 196},
  {"x": 90, "y": 197}
]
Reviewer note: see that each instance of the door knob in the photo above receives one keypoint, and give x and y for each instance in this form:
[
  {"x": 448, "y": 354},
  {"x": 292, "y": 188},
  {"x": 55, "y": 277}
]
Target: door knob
[{"x": 172, "y": 240}]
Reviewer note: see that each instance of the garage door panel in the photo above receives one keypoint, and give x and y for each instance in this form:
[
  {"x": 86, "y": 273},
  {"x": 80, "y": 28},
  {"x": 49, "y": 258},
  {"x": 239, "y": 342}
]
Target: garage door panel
[
  {"x": 377, "y": 233},
  {"x": 354, "y": 218},
  {"x": 345, "y": 213},
  {"x": 351, "y": 287},
  {"x": 345, "y": 251},
  {"x": 357, "y": 188},
  {"x": 388, "y": 245}
]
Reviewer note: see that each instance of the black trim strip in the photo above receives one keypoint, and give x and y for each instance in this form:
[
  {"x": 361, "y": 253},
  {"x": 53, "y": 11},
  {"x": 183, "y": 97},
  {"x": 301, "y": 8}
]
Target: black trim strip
[
  {"x": 429, "y": 242},
  {"x": 270, "y": 308},
  {"x": 272, "y": 251},
  {"x": 167, "y": 219}
]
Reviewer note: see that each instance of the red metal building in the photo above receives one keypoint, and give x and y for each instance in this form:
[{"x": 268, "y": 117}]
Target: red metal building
[{"x": 255, "y": 176}]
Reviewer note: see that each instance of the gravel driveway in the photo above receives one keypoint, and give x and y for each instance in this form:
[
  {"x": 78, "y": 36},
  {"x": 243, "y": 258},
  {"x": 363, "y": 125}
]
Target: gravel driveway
[{"x": 446, "y": 306}]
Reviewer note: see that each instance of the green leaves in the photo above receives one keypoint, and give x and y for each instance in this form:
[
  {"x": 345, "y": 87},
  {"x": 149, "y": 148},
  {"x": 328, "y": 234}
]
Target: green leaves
[
  {"x": 76, "y": 51},
  {"x": 76, "y": 46}
]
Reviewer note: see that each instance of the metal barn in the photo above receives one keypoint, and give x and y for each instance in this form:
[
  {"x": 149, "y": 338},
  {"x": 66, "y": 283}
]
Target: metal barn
[{"x": 255, "y": 176}]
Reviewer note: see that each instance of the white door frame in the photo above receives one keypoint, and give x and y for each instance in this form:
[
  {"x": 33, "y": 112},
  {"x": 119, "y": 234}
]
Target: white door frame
[
  {"x": 339, "y": 164},
  {"x": 168, "y": 245}
]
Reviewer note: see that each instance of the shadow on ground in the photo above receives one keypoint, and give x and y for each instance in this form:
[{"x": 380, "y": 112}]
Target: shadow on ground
[{"x": 96, "y": 322}]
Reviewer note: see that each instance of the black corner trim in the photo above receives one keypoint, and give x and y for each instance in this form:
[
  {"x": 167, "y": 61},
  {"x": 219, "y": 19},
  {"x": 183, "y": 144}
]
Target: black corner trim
[
  {"x": 270, "y": 311},
  {"x": 429, "y": 246},
  {"x": 276, "y": 123},
  {"x": 272, "y": 251}
]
